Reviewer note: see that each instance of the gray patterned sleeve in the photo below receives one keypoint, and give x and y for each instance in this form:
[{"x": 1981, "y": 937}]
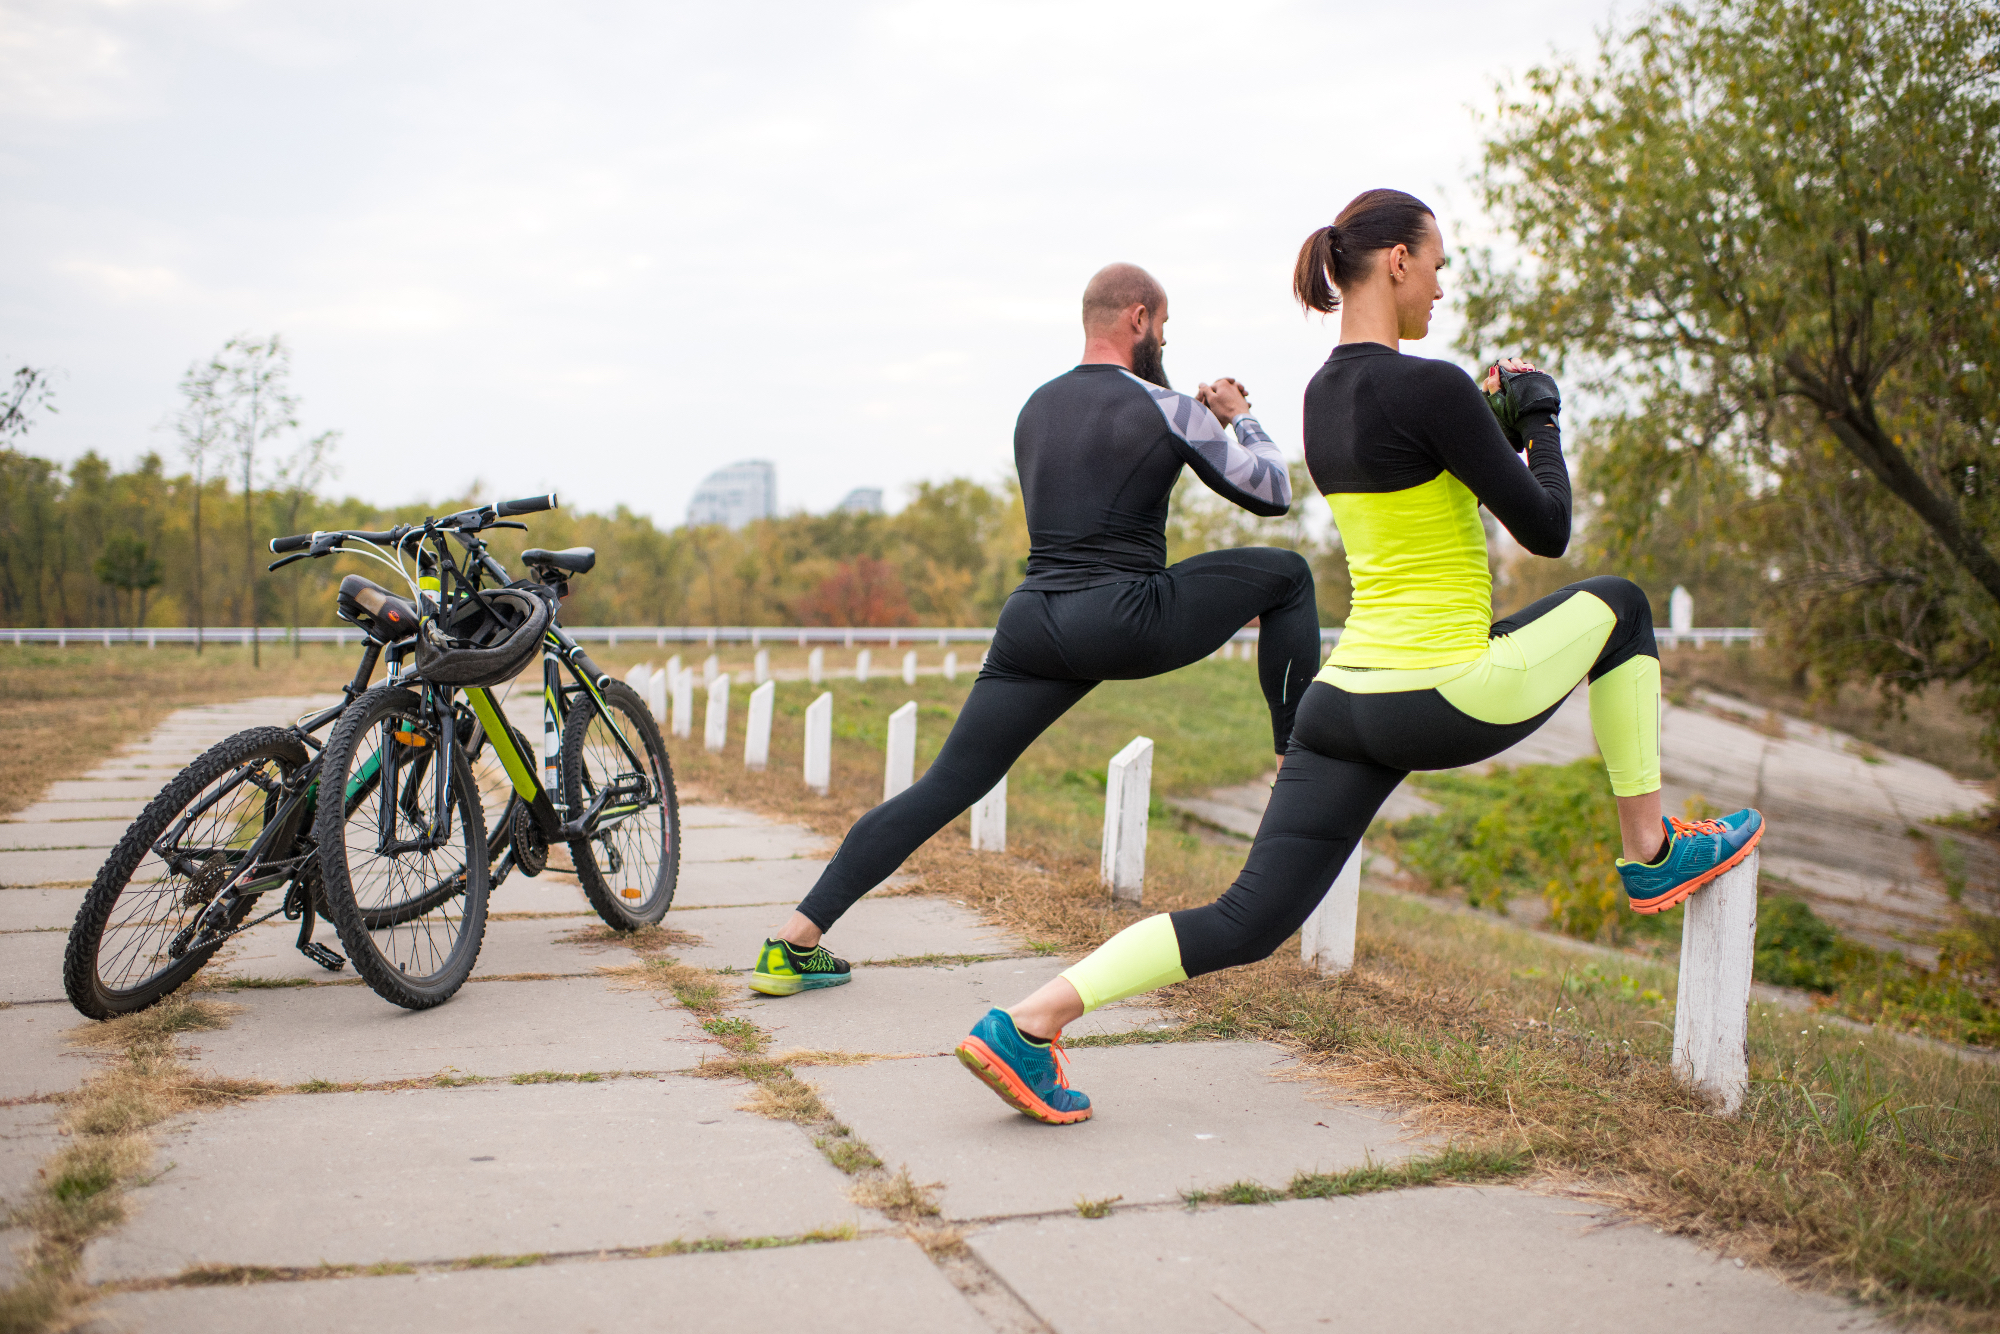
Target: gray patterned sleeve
[{"x": 1247, "y": 471}]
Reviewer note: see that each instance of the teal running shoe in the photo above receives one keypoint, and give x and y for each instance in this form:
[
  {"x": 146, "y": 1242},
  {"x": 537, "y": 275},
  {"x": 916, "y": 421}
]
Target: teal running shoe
[
  {"x": 783, "y": 969},
  {"x": 1697, "y": 851},
  {"x": 1028, "y": 1075}
]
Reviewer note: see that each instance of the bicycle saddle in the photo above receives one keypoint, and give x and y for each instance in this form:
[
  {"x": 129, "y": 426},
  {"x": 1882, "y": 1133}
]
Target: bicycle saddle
[
  {"x": 376, "y": 609},
  {"x": 574, "y": 560}
]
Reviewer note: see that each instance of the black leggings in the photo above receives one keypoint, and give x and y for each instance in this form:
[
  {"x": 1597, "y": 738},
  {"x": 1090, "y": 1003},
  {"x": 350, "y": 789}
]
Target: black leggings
[
  {"x": 1049, "y": 650},
  {"x": 1349, "y": 751}
]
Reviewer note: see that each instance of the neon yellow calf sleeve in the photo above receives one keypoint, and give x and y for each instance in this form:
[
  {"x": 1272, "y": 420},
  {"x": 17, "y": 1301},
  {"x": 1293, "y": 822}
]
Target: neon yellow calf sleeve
[
  {"x": 1143, "y": 957},
  {"x": 1625, "y": 718}
]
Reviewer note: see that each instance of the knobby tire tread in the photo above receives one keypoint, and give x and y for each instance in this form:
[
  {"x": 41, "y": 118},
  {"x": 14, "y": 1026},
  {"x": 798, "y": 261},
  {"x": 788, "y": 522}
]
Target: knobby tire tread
[
  {"x": 336, "y": 761},
  {"x": 80, "y": 979},
  {"x": 575, "y": 730}
]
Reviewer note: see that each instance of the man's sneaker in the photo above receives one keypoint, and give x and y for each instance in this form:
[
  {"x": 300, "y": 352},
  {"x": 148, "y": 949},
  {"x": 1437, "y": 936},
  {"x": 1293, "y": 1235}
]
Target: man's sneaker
[
  {"x": 1696, "y": 852},
  {"x": 1028, "y": 1075},
  {"x": 784, "y": 969}
]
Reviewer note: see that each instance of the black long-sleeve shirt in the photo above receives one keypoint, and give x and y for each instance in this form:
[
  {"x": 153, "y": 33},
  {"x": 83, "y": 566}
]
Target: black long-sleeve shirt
[{"x": 1099, "y": 450}]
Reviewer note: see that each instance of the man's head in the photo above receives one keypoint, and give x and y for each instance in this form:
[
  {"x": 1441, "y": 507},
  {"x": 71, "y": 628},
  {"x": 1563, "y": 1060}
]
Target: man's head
[{"x": 1125, "y": 306}]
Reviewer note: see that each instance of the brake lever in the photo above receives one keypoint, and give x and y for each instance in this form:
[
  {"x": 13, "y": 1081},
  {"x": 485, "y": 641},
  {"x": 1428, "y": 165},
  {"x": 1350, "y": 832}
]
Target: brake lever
[
  {"x": 281, "y": 564},
  {"x": 508, "y": 523}
]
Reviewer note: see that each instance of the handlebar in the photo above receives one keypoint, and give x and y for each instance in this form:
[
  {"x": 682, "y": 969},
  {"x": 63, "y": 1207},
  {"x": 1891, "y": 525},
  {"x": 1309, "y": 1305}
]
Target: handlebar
[
  {"x": 298, "y": 542},
  {"x": 528, "y": 505},
  {"x": 466, "y": 521}
]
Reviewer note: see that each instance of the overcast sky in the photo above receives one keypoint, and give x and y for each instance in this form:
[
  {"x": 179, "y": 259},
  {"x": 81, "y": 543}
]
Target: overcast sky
[{"x": 604, "y": 248}]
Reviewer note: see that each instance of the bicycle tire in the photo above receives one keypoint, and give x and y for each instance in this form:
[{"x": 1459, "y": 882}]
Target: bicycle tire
[
  {"x": 396, "y": 949},
  {"x": 152, "y": 915},
  {"x": 627, "y": 876}
]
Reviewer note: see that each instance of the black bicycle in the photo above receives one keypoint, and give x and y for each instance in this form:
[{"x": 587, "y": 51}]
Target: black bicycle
[
  {"x": 407, "y": 871},
  {"x": 240, "y": 822}
]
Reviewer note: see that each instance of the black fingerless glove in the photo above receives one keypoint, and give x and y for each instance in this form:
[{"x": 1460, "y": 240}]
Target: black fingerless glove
[{"x": 1523, "y": 396}]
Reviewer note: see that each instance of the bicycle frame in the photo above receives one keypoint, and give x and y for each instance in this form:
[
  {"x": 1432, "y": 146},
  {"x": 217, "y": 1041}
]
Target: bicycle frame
[{"x": 542, "y": 792}]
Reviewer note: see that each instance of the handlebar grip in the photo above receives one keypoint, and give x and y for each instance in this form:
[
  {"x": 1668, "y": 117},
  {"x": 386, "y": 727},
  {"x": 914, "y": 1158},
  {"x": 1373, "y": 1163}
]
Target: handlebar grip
[
  {"x": 528, "y": 505},
  {"x": 299, "y": 542}
]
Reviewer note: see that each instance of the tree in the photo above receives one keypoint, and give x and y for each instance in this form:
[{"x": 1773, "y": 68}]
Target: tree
[
  {"x": 29, "y": 394},
  {"x": 295, "y": 479},
  {"x": 126, "y": 565},
  {"x": 200, "y": 423},
  {"x": 1768, "y": 231},
  {"x": 253, "y": 387}
]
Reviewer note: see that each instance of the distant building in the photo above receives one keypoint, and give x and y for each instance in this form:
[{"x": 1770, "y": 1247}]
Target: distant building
[
  {"x": 736, "y": 495},
  {"x": 862, "y": 500}
]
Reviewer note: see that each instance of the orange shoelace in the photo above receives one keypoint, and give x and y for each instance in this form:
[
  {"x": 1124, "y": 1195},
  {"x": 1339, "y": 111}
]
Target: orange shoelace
[
  {"x": 1062, "y": 1061},
  {"x": 1695, "y": 826}
]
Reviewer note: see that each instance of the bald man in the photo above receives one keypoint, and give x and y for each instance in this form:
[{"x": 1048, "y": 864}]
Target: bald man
[{"x": 1098, "y": 450}]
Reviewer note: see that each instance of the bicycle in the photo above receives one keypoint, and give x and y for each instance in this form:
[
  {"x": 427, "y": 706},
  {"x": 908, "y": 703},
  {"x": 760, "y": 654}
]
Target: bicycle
[
  {"x": 234, "y": 825},
  {"x": 604, "y": 785}
]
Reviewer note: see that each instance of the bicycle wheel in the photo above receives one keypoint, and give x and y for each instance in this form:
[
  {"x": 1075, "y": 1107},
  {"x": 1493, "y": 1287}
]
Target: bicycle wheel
[
  {"x": 129, "y": 947},
  {"x": 629, "y": 866},
  {"x": 405, "y": 872}
]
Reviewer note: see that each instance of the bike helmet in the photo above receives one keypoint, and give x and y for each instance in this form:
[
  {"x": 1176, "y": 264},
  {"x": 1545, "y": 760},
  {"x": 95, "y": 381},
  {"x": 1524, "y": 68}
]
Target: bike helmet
[{"x": 486, "y": 640}]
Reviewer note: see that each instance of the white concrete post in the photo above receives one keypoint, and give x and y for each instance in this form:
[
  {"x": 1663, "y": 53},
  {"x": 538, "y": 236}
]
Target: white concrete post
[
  {"x": 989, "y": 819},
  {"x": 716, "y": 733},
  {"x": 656, "y": 696},
  {"x": 819, "y": 743},
  {"x": 1128, "y": 791},
  {"x": 910, "y": 668},
  {"x": 901, "y": 769},
  {"x": 861, "y": 665},
  {"x": 1712, "y": 1007},
  {"x": 1680, "y": 610},
  {"x": 1229, "y": 650},
  {"x": 761, "y": 671},
  {"x": 951, "y": 666},
  {"x": 639, "y": 677},
  {"x": 757, "y": 731},
  {"x": 673, "y": 670},
  {"x": 1326, "y": 941},
  {"x": 683, "y": 686},
  {"x": 711, "y": 667},
  {"x": 816, "y": 665}
]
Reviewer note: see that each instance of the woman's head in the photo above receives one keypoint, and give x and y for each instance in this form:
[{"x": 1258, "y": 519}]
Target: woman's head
[{"x": 1382, "y": 237}]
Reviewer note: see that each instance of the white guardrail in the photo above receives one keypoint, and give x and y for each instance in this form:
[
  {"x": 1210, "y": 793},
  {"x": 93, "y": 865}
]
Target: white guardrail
[{"x": 662, "y": 635}]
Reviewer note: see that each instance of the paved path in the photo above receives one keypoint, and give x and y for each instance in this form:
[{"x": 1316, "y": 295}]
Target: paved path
[
  {"x": 1841, "y": 812},
  {"x": 592, "y": 1176}
]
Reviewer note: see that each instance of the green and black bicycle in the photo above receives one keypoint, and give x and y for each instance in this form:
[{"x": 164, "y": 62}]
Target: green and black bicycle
[{"x": 441, "y": 795}]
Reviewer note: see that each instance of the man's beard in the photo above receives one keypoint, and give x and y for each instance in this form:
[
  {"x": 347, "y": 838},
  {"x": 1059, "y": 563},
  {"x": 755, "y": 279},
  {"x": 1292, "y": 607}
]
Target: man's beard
[{"x": 1146, "y": 361}]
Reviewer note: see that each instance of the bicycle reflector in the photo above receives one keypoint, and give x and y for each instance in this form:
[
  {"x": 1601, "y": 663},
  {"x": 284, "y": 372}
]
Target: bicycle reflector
[{"x": 487, "y": 640}]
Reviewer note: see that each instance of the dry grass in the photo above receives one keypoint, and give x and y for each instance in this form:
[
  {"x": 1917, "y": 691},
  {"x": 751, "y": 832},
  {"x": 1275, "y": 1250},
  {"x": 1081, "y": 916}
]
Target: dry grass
[
  {"x": 106, "y": 1120},
  {"x": 898, "y": 1196},
  {"x": 69, "y": 708}
]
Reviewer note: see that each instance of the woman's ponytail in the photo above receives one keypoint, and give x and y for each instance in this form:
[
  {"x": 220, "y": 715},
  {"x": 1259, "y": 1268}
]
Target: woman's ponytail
[
  {"x": 1311, "y": 283},
  {"x": 1335, "y": 256}
]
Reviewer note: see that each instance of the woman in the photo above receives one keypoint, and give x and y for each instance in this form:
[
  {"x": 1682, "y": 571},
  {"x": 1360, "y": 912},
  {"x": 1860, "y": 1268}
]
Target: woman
[{"x": 1405, "y": 450}]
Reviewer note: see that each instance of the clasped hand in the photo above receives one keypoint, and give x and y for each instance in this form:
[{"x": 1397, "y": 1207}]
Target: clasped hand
[{"x": 1226, "y": 398}]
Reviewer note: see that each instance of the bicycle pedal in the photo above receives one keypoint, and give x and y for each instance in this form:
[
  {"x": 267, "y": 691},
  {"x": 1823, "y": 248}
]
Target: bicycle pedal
[{"x": 324, "y": 957}]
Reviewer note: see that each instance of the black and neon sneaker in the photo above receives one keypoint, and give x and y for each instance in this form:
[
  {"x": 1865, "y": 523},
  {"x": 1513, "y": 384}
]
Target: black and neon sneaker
[{"x": 785, "y": 970}]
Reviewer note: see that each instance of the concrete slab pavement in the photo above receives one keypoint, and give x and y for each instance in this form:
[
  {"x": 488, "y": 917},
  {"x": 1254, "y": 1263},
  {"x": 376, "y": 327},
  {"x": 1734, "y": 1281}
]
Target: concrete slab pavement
[
  {"x": 16, "y": 835},
  {"x": 1437, "y": 1261},
  {"x": 38, "y": 909},
  {"x": 65, "y": 811},
  {"x": 880, "y": 1284},
  {"x": 1172, "y": 1117},
  {"x": 349, "y": 1034},
  {"x": 39, "y": 1058},
  {"x": 439, "y": 1176},
  {"x": 31, "y": 966},
  {"x": 367, "y": 1178}
]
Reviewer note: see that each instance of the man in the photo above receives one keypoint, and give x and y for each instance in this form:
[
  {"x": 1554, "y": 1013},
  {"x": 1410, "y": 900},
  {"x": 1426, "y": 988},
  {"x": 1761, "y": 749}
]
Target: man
[{"x": 1098, "y": 451}]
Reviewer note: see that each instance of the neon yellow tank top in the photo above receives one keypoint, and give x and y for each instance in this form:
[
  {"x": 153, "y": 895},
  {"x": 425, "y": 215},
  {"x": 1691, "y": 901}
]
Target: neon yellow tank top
[{"x": 1423, "y": 593}]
